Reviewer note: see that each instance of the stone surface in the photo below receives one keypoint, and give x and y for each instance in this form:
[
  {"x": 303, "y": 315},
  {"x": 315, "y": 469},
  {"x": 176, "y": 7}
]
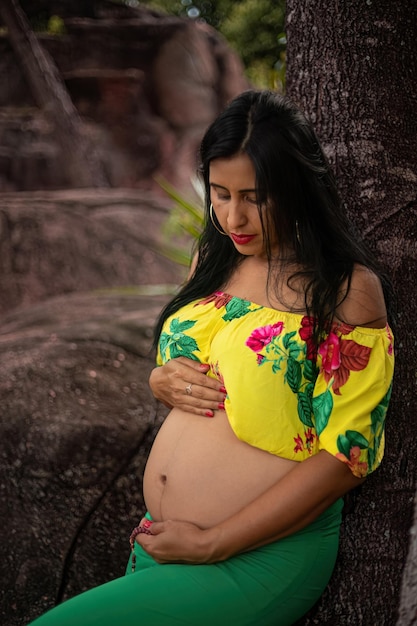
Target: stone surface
[
  {"x": 76, "y": 424},
  {"x": 74, "y": 241},
  {"x": 145, "y": 84},
  {"x": 77, "y": 418}
]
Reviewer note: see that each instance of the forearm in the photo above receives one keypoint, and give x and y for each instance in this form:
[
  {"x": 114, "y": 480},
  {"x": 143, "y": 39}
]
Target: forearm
[{"x": 288, "y": 506}]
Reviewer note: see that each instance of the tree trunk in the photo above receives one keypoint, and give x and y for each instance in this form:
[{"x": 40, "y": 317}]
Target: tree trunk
[
  {"x": 352, "y": 67},
  {"x": 48, "y": 89}
]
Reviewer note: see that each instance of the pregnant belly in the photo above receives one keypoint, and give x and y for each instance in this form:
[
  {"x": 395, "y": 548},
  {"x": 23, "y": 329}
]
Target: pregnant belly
[{"x": 198, "y": 471}]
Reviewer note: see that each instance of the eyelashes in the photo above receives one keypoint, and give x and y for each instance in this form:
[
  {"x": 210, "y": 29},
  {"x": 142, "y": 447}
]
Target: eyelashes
[{"x": 226, "y": 198}]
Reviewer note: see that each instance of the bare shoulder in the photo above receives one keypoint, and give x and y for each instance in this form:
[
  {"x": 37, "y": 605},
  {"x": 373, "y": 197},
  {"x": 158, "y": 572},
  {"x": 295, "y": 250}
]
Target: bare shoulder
[{"x": 364, "y": 304}]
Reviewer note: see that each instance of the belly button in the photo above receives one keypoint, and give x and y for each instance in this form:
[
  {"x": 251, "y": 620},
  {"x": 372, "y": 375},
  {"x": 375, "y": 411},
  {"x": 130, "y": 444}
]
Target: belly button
[{"x": 163, "y": 479}]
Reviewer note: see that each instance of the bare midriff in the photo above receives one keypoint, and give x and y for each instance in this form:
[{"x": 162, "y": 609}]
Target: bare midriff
[{"x": 199, "y": 471}]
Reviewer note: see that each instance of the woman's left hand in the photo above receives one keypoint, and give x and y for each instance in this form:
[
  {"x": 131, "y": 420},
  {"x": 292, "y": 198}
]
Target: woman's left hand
[{"x": 177, "y": 542}]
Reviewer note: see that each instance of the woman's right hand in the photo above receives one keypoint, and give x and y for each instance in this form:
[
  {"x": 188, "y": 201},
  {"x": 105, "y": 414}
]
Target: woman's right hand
[{"x": 183, "y": 383}]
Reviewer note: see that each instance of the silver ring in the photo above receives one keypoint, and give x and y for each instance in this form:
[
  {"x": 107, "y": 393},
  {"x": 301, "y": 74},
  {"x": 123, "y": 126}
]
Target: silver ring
[{"x": 188, "y": 389}]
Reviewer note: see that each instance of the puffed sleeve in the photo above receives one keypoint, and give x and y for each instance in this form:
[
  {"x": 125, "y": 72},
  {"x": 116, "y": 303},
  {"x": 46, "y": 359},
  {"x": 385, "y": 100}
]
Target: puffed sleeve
[{"x": 352, "y": 393}]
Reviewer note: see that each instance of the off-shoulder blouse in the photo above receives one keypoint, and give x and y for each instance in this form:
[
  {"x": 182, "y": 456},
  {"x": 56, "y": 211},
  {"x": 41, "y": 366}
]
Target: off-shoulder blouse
[{"x": 282, "y": 395}]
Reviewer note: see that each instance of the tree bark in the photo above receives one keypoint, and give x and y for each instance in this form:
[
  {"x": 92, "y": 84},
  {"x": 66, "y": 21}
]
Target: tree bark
[
  {"x": 352, "y": 67},
  {"x": 84, "y": 167}
]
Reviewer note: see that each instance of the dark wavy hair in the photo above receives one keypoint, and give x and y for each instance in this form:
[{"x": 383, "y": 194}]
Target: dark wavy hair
[{"x": 304, "y": 211}]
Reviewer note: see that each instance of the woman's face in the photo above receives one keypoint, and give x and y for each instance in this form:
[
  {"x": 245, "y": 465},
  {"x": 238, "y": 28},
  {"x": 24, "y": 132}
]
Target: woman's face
[{"x": 234, "y": 198}]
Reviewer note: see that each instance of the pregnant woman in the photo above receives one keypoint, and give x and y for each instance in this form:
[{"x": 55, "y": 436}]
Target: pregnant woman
[{"x": 276, "y": 359}]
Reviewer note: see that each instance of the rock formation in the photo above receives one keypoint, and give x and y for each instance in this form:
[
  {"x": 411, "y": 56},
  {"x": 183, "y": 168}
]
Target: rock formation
[
  {"x": 146, "y": 86},
  {"x": 77, "y": 418},
  {"x": 76, "y": 424}
]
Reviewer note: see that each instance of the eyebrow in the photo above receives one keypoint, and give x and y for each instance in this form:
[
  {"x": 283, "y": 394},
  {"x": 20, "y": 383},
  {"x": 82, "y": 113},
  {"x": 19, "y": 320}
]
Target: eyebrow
[{"x": 226, "y": 189}]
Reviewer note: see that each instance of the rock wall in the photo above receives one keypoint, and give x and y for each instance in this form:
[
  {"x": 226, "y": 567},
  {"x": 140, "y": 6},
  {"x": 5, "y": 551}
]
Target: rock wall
[
  {"x": 76, "y": 424},
  {"x": 61, "y": 242},
  {"x": 146, "y": 86},
  {"x": 77, "y": 418}
]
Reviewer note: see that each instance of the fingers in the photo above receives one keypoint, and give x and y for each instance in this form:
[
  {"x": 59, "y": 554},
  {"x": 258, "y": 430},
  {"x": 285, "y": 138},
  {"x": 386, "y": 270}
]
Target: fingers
[
  {"x": 198, "y": 399},
  {"x": 174, "y": 542},
  {"x": 184, "y": 384}
]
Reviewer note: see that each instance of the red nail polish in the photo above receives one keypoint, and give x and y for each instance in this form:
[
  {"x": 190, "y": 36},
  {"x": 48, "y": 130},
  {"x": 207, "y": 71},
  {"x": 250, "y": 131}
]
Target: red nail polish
[
  {"x": 223, "y": 390},
  {"x": 205, "y": 367},
  {"x": 221, "y": 406},
  {"x": 147, "y": 523},
  {"x": 209, "y": 414}
]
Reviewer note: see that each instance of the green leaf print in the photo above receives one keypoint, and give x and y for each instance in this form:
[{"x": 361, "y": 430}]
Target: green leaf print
[
  {"x": 177, "y": 343},
  {"x": 276, "y": 364},
  {"x": 309, "y": 390},
  {"x": 343, "y": 445},
  {"x": 293, "y": 375},
  {"x": 286, "y": 340},
  {"x": 163, "y": 344},
  {"x": 294, "y": 350},
  {"x": 357, "y": 439},
  {"x": 372, "y": 455},
  {"x": 349, "y": 440},
  {"x": 293, "y": 347},
  {"x": 304, "y": 408},
  {"x": 377, "y": 417},
  {"x": 379, "y": 412},
  {"x": 273, "y": 349},
  {"x": 236, "y": 308},
  {"x": 310, "y": 370},
  {"x": 179, "y": 327},
  {"x": 183, "y": 346},
  {"x": 377, "y": 426},
  {"x": 322, "y": 408}
]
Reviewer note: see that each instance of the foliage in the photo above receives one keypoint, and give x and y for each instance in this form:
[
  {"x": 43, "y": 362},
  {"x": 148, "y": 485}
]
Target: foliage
[
  {"x": 56, "y": 25},
  {"x": 42, "y": 16},
  {"x": 184, "y": 224},
  {"x": 254, "y": 28}
]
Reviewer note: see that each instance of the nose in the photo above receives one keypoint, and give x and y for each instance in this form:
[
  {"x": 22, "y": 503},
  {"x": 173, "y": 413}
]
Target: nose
[{"x": 236, "y": 216}]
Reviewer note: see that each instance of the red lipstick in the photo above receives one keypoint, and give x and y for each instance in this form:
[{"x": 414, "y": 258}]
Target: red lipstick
[{"x": 242, "y": 240}]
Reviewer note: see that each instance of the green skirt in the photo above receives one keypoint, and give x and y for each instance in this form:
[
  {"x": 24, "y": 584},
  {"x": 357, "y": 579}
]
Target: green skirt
[{"x": 271, "y": 586}]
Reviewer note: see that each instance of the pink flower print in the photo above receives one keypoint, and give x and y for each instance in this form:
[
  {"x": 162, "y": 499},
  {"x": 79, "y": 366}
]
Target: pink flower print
[
  {"x": 306, "y": 334},
  {"x": 359, "y": 468},
  {"x": 260, "y": 359},
  {"x": 329, "y": 350},
  {"x": 352, "y": 357},
  {"x": 263, "y": 335}
]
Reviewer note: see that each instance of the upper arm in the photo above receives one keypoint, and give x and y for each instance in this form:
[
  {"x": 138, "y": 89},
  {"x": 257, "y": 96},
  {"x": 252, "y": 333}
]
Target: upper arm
[
  {"x": 353, "y": 386},
  {"x": 364, "y": 304}
]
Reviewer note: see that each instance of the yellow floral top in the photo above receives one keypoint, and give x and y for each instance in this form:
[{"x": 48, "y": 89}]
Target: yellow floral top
[{"x": 279, "y": 397}]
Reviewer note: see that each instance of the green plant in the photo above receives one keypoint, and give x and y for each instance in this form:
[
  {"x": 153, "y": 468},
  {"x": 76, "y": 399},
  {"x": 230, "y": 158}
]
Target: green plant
[
  {"x": 184, "y": 224},
  {"x": 56, "y": 25}
]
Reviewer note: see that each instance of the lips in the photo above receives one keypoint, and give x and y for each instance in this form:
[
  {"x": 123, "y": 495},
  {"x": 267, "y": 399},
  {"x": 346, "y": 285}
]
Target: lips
[{"x": 242, "y": 240}]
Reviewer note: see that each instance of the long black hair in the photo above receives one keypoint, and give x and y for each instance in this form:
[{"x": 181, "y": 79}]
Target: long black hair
[{"x": 304, "y": 211}]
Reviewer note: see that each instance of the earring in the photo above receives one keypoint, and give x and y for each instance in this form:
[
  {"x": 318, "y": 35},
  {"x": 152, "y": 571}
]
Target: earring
[
  {"x": 297, "y": 232},
  {"x": 213, "y": 221}
]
